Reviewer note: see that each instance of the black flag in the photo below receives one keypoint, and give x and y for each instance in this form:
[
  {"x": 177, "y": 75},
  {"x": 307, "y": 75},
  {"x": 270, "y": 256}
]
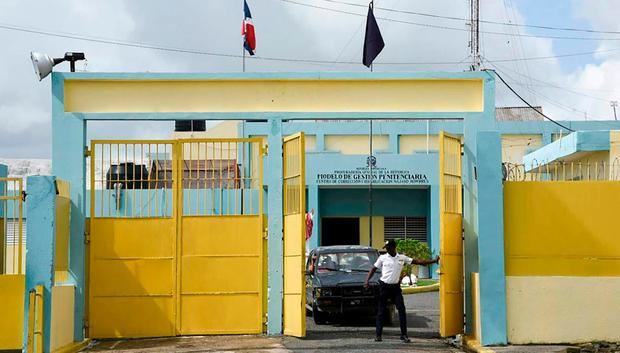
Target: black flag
[{"x": 373, "y": 42}]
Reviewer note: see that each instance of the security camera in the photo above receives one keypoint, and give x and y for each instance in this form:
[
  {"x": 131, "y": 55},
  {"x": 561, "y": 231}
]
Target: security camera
[{"x": 43, "y": 64}]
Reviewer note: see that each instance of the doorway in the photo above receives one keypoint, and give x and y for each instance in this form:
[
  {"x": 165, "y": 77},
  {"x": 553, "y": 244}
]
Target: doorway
[{"x": 340, "y": 231}]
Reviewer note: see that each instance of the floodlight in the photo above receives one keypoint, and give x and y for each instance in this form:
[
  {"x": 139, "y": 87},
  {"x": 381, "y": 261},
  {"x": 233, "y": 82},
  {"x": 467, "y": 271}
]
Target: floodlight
[{"x": 43, "y": 64}]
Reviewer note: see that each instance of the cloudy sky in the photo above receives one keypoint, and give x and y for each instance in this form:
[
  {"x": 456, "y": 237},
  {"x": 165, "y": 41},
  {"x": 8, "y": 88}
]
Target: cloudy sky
[{"x": 569, "y": 87}]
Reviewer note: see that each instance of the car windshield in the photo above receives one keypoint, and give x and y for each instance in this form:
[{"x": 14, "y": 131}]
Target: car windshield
[{"x": 346, "y": 261}]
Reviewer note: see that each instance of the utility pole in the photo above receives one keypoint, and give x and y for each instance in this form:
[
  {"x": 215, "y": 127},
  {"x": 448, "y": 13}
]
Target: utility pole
[
  {"x": 614, "y": 105},
  {"x": 474, "y": 41}
]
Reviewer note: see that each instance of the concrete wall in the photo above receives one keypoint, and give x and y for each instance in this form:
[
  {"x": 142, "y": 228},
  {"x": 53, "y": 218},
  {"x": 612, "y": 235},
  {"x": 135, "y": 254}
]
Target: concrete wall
[
  {"x": 515, "y": 146},
  {"x": 562, "y": 261}
]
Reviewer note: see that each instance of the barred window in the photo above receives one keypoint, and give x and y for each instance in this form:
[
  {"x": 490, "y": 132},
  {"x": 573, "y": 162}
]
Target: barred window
[{"x": 405, "y": 228}]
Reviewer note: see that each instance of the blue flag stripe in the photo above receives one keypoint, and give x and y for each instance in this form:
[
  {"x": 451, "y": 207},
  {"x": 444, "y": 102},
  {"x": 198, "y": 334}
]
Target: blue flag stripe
[{"x": 246, "y": 9}]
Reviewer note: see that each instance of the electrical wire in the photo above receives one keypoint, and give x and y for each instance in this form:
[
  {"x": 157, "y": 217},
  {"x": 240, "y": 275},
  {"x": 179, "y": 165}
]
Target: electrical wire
[
  {"x": 447, "y": 27},
  {"x": 118, "y": 42},
  {"x": 544, "y": 83},
  {"x": 526, "y": 102},
  {"x": 422, "y": 14}
]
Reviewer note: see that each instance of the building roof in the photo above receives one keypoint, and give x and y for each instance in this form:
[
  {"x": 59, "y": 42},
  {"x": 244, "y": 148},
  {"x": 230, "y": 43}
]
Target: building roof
[
  {"x": 518, "y": 114},
  {"x": 568, "y": 148}
]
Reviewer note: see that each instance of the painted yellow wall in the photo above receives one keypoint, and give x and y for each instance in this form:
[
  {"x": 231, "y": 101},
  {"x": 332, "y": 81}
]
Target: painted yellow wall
[
  {"x": 12, "y": 289},
  {"x": 408, "y": 144},
  {"x": 264, "y": 95},
  {"x": 562, "y": 309},
  {"x": 63, "y": 298},
  {"x": 561, "y": 228},
  {"x": 356, "y": 144},
  {"x": 378, "y": 234},
  {"x": 562, "y": 258},
  {"x": 514, "y": 147}
]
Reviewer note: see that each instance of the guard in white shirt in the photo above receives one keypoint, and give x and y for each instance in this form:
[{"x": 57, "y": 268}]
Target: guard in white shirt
[{"x": 391, "y": 266}]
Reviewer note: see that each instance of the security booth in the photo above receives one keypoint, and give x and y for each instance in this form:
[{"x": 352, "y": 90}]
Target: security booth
[{"x": 207, "y": 235}]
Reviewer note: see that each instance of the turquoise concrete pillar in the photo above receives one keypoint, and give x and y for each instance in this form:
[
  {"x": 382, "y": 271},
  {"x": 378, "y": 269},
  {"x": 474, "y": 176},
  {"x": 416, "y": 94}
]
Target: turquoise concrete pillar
[
  {"x": 320, "y": 142},
  {"x": 433, "y": 228},
  {"x": 492, "y": 278},
  {"x": 394, "y": 146},
  {"x": 40, "y": 245},
  {"x": 4, "y": 171},
  {"x": 473, "y": 123},
  {"x": 273, "y": 178},
  {"x": 313, "y": 203},
  {"x": 69, "y": 164},
  {"x": 546, "y": 138}
]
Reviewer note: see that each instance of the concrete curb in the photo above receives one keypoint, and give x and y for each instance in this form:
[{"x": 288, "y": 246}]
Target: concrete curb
[{"x": 413, "y": 290}]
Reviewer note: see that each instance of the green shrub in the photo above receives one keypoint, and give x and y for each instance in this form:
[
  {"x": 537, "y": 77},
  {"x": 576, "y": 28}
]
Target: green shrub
[{"x": 415, "y": 249}]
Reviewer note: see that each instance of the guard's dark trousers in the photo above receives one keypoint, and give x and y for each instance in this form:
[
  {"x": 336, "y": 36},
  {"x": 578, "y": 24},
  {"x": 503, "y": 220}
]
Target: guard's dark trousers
[{"x": 393, "y": 292}]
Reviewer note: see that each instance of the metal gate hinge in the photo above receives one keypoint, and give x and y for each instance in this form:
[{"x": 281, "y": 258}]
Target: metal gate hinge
[
  {"x": 87, "y": 152},
  {"x": 265, "y": 319},
  {"x": 86, "y": 238},
  {"x": 265, "y": 233},
  {"x": 85, "y": 323},
  {"x": 265, "y": 150}
]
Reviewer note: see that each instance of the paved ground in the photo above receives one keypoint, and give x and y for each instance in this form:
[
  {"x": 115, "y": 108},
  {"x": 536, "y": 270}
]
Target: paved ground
[
  {"x": 195, "y": 344},
  {"x": 358, "y": 335},
  {"x": 350, "y": 336}
]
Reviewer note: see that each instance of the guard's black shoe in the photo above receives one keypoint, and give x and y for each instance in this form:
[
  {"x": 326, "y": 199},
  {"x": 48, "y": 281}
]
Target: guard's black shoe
[
  {"x": 405, "y": 339},
  {"x": 378, "y": 339}
]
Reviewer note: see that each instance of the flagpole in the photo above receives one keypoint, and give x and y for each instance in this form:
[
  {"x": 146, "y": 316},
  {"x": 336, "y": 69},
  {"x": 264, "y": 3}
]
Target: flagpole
[
  {"x": 370, "y": 169},
  {"x": 370, "y": 165},
  {"x": 243, "y": 44},
  {"x": 372, "y": 4}
]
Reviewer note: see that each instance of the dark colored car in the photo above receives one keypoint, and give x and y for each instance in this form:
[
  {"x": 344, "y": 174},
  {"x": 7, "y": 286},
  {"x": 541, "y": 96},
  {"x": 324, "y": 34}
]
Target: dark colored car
[{"x": 335, "y": 278}]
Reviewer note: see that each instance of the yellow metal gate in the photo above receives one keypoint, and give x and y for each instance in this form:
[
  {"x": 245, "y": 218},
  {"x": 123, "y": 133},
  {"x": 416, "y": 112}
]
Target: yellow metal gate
[
  {"x": 450, "y": 235},
  {"x": 176, "y": 235},
  {"x": 294, "y": 235}
]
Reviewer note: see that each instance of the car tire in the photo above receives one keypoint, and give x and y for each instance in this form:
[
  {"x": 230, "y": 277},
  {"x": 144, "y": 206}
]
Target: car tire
[{"x": 318, "y": 317}]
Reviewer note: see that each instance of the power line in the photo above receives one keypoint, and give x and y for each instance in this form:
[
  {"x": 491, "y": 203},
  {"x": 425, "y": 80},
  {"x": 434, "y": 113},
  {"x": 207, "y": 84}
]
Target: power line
[
  {"x": 422, "y": 14},
  {"x": 141, "y": 45},
  {"x": 544, "y": 83},
  {"x": 118, "y": 42},
  {"x": 543, "y": 97},
  {"x": 527, "y": 103},
  {"x": 447, "y": 27}
]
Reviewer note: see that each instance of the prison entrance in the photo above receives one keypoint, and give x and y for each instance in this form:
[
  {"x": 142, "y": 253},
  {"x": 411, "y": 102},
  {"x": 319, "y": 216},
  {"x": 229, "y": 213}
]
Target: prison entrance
[
  {"x": 176, "y": 238},
  {"x": 451, "y": 299}
]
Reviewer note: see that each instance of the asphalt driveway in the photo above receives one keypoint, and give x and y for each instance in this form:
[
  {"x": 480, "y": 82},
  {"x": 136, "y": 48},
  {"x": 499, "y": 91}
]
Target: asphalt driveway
[{"x": 357, "y": 334}]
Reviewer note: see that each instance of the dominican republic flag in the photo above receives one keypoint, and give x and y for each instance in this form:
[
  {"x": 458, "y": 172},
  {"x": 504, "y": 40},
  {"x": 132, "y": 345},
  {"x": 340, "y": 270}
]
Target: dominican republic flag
[{"x": 247, "y": 30}]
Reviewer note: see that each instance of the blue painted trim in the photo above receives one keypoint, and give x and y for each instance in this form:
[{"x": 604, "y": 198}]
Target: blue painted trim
[
  {"x": 69, "y": 164},
  {"x": 40, "y": 246},
  {"x": 275, "y": 219},
  {"x": 313, "y": 203},
  {"x": 579, "y": 141},
  {"x": 4, "y": 171},
  {"x": 490, "y": 209},
  {"x": 433, "y": 226}
]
